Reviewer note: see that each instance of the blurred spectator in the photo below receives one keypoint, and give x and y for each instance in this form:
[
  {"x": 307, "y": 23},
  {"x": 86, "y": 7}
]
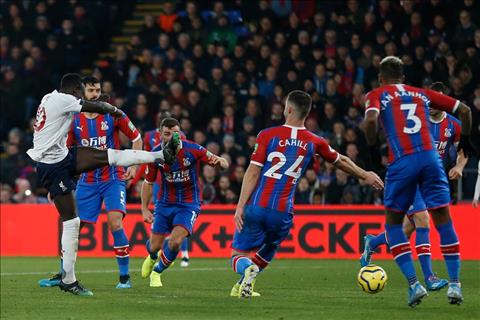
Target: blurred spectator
[{"x": 224, "y": 70}]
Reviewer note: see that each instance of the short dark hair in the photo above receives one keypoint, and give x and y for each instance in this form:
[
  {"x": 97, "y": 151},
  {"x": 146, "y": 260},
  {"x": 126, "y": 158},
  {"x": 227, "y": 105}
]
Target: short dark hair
[
  {"x": 391, "y": 67},
  {"x": 302, "y": 102},
  {"x": 439, "y": 86},
  {"x": 90, "y": 80},
  {"x": 169, "y": 123},
  {"x": 71, "y": 81}
]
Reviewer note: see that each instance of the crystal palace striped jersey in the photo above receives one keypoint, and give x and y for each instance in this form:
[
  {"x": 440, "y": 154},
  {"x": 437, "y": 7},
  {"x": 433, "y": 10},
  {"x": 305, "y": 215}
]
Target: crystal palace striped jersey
[
  {"x": 284, "y": 152},
  {"x": 180, "y": 182},
  {"x": 404, "y": 116},
  {"x": 446, "y": 134},
  {"x": 101, "y": 132}
]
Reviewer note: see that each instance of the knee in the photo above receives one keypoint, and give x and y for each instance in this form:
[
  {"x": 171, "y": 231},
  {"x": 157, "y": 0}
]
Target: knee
[
  {"x": 174, "y": 243},
  {"x": 115, "y": 224}
]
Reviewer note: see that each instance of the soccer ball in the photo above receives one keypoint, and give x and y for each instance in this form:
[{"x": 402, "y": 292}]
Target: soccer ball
[{"x": 372, "y": 279}]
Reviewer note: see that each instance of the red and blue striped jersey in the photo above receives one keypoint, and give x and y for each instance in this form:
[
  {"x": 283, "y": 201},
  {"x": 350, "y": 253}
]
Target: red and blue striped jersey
[
  {"x": 404, "y": 116},
  {"x": 151, "y": 139},
  {"x": 284, "y": 152},
  {"x": 446, "y": 133},
  {"x": 101, "y": 132},
  {"x": 180, "y": 182}
]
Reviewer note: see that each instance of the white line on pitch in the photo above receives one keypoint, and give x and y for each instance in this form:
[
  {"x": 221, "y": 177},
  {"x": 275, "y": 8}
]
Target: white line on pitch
[{"x": 6, "y": 274}]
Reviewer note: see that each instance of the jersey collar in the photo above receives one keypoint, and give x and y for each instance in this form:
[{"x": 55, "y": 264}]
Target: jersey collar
[
  {"x": 292, "y": 127},
  {"x": 444, "y": 115}
]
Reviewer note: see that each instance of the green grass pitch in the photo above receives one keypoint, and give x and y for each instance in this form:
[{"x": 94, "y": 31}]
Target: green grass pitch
[{"x": 291, "y": 289}]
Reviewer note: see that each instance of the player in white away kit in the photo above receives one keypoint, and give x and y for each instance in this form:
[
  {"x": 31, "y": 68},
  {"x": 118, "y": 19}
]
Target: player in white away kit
[{"x": 57, "y": 165}]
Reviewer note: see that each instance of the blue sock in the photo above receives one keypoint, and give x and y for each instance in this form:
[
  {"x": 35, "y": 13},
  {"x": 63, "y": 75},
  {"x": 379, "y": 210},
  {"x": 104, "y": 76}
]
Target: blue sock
[
  {"x": 400, "y": 248},
  {"x": 184, "y": 246},
  {"x": 122, "y": 251},
  {"x": 378, "y": 240},
  {"x": 450, "y": 247},
  {"x": 240, "y": 263},
  {"x": 153, "y": 255},
  {"x": 422, "y": 246},
  {"x": 265, "y": 255},
  {"x": 166, "y": 258}
]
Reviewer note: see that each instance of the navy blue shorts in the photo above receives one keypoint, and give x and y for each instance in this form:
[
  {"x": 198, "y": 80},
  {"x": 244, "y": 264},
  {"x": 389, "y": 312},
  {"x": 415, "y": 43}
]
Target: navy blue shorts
[
  {"x": 57, "y": 178},
  {"x": 262, "y": 225}
]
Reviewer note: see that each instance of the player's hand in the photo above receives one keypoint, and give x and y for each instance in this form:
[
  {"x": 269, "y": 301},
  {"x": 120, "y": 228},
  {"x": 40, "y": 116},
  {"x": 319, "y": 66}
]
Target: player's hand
[
  {"x": 239, "y": 218},
  {"x": 222, "y": 162},
  {"x": 374, "y": 180},
  {"x": 455, "y": 173},
  {"x": 475, "y": 203},
  {"x": 131, "y": 172},
  {"x": 147, "y": 216}
]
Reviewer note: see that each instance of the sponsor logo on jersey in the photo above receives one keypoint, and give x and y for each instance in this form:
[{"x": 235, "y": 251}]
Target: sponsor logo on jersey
[
  {"x": 132, "y": 127},
  {"x": 99, "y": 142},
  {"x": 177, "y": 176}
]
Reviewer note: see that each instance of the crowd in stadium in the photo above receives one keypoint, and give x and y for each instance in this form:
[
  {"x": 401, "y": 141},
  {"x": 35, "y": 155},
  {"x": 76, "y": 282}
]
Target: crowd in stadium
[{"x": 224, "y": 69}]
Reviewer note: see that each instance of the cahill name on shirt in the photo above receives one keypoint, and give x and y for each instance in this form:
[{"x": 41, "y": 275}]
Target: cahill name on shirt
[{"x": 293, "y": 142}]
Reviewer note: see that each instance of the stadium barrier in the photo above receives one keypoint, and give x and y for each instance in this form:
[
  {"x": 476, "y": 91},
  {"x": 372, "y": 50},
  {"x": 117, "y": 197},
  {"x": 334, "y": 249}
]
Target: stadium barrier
[{"x": 333, "y": 232}]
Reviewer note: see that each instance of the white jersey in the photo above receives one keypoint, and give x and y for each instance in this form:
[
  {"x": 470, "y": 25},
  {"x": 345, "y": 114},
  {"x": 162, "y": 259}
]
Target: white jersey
[{"x": 52, "y": 123}]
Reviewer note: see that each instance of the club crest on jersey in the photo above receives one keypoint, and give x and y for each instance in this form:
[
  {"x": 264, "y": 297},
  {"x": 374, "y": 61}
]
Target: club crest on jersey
[
  {"x": 186, "y": 162},
  {"x": 448, "y": 132},
  {"x": 104, "y": 126}
]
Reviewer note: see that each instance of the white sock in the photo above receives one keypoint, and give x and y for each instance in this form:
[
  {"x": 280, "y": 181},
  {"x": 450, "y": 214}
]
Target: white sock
[
  {"x": 185, "y": 254},
  {"x": 70, "y": 232},
  {"x": 130, "y": 157}
]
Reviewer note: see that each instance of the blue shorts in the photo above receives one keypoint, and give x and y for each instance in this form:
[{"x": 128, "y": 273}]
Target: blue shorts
[
  {"x": 90, "y": 198},
  {"x": 418, "y": 204},
  {"x": 262, "y": 225},
  {"x": 57, "y": 178},
  {"x": 167, "y": 216},
  {"x": 422, "y": 170}
]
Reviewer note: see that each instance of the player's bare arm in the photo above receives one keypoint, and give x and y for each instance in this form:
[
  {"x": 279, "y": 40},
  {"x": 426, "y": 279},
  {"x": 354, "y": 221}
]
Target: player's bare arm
[
  {"x": 371, "y": 178},
  {"x": 371, "y": 126},
  {"x": 249, "y": 182},
  {"x": 101, "y": 107},
  {"x": 456, "y": 171},
  {"x": 145, "y": 196},
  {"x": 465, "y": 116}
]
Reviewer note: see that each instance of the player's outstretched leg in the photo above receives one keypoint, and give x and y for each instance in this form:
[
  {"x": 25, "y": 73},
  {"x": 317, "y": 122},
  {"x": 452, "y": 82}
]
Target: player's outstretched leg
[
  {"x": 400, "y": 248},
  {"x": 370, "y": 244},
  {"x": 450, "y": 247},
  {"x": 184, "y": 252}
]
